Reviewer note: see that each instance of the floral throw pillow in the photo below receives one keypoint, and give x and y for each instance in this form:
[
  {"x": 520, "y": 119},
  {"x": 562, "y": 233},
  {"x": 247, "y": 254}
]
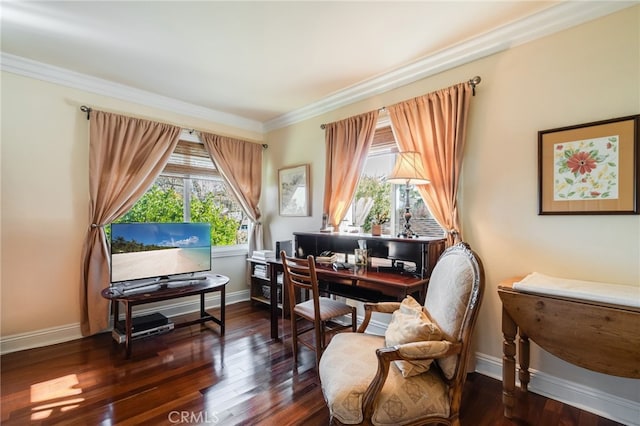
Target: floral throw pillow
[{"x": 410, "y": 323}]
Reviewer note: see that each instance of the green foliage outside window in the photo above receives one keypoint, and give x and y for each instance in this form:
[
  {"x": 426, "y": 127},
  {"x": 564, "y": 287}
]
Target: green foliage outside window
[
  {"x": 223, "y": 227},
  {"x": 156, "y": 205},
  {"x": 163, "y": 202},
  {"x": 379, "y": 191}
]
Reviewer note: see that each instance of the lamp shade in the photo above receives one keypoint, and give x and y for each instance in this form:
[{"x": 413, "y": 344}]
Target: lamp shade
[{"x": 408, "y": 169}]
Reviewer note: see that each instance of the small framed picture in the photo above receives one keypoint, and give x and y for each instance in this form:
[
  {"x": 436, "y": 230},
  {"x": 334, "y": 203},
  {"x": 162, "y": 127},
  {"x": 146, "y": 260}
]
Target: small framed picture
[
  {"x": 590, "y": 168},
  {"x": 293, "y": 190}
]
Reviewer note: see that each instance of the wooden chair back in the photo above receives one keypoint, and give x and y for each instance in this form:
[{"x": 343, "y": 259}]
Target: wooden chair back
[{"x": 301, "y": 279}]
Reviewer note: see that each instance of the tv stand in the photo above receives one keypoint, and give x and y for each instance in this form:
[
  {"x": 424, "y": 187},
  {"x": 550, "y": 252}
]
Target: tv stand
[
  {"x": 203, "y": 286},
  {"x": 142, "y": 287}
]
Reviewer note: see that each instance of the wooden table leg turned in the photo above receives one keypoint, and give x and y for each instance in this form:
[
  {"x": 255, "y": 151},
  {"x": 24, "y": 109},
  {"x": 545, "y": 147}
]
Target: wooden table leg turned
[
  {"x": 523, "y": 359},
  {"x": 509, "y": 330}
]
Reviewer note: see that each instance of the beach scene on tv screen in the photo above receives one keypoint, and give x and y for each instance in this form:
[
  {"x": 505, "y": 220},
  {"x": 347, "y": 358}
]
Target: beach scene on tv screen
[{"x": 155, "y": 250}]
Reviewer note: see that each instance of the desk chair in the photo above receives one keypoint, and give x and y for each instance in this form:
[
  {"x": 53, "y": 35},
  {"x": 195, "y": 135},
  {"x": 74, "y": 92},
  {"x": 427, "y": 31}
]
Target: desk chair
[{"x": 300, "y": 279}]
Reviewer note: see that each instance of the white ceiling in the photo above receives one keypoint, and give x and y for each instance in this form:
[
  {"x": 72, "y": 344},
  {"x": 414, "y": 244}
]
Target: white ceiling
[{"x": 263, "y": 62}]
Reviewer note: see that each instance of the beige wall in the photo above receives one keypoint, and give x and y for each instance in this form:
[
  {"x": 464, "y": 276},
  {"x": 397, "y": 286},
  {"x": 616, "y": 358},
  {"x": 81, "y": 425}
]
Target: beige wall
[
  {"x": 45, "y": 199},
  {"x": 584, "y": 74},
  {"x": 588, "y": 73}
]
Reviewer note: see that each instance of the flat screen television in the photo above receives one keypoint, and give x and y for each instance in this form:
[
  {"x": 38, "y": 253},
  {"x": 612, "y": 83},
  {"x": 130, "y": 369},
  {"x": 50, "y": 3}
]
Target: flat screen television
[{"x": 159, "y": 250}]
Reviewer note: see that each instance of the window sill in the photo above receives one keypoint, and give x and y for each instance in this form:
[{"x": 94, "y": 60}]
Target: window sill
[{"x": 229, "y": 251}]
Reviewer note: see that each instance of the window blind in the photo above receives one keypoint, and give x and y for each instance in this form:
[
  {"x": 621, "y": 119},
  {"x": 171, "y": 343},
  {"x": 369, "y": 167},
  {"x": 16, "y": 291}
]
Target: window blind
[
  {"x": 383, "y": 141},
  {"x": 191, "y": 159}
]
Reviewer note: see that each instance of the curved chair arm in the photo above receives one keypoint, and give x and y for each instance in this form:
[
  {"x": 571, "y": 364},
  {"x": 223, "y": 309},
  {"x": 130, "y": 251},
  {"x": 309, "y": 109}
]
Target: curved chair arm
[
  {"x": 414, "y": 351},
  {"x": 417, "y": 351},
  {"x": 383, "y": 307}
]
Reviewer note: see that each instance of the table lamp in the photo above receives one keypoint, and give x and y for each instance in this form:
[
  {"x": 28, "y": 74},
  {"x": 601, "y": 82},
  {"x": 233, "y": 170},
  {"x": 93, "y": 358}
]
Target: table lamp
[{"x": 408, "y": 170}]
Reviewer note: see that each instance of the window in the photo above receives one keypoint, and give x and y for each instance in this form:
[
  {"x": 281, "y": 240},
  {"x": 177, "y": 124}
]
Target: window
[
  {"x": 382, "y": 202},
  {"x": 190, "y": 189}
]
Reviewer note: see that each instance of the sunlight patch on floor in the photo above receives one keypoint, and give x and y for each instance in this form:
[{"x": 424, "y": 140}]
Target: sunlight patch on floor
[{"x": 55, "y": 394}]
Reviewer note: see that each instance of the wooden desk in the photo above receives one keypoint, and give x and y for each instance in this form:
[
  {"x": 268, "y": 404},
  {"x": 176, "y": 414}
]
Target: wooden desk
[
  {"x": 358, "y": 283},
  {"x": 362, "y": 284},
  {"x": 211, "y": 284},
  {"x": 597, "y": 336},
  {"x": 353, "y": 283}
]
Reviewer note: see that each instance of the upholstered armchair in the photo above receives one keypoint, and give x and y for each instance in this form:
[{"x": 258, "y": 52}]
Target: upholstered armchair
[{"x": 416, "y": 372}]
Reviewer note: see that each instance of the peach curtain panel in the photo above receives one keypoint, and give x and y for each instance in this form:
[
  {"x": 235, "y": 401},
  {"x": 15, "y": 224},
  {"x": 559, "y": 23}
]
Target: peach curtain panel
[
  {"x": 240, "y": 164},
  {"x": 125, "y": 157},
  {"x": 348, "y": 142},
  {"x": 436, "y": 125}
]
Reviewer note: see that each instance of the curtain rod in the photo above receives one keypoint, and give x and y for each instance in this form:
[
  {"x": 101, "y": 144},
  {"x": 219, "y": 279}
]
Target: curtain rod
[
  {"x": 88, "y": 110},
  {"x": 473, "y": 83}
]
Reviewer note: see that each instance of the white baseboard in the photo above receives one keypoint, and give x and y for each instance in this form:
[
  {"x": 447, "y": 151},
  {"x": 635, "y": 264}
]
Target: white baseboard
[
  {"x": 39, "y": 338},
  {"x": 65, "y": 333},
  {"x": 583, "y": 397}
]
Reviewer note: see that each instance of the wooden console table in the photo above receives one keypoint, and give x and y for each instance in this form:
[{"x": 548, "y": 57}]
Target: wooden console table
[
  {"x": 598, "y": 336},
  {"x": 211, "y": 284}
]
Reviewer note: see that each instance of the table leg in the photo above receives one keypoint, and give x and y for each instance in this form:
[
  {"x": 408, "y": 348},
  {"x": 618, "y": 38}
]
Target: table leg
[
  {"x": 115, "y": 312},
  {"x": 273, "y": 300},
  {"x": 523, "y": 359},
  {"x": 203, "y": 313},
  {"x": 128, "y": 324},
  {"x": 115, "y": 307},
  {"x": 509, "y": 330},
  {"x": 222, "y": 305}
]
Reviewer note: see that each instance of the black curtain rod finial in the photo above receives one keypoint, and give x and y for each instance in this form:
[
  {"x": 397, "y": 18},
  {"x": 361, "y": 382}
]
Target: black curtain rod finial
[
  {"x": 86, "y": 109},
  {"x": 473, "y": 83}
]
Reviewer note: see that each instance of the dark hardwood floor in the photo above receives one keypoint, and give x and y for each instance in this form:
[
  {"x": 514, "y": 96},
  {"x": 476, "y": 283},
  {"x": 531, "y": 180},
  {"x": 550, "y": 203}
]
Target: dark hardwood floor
[{"x": 193, "y": 376}]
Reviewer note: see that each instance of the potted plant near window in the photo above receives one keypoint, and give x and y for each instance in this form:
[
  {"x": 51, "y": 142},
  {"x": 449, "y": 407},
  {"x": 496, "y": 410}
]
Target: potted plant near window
[{"x": 381, "y": 217}]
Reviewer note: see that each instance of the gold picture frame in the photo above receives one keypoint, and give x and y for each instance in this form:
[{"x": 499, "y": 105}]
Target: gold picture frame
[
  {"x": 293, "y": 190},
  {"x": 590, "y": 168}
]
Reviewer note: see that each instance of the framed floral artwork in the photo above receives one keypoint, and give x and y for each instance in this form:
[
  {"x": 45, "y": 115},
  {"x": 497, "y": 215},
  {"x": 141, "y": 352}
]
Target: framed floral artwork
[
  {"x": 293, "y": 190},
  {"x": 590, "y": 168}
]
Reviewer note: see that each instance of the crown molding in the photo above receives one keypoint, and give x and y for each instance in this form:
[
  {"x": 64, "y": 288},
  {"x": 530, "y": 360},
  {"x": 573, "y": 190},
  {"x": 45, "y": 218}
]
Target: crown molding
[
  {"x": 548, "y": 21},
  {"x": 41, "y": 71}
]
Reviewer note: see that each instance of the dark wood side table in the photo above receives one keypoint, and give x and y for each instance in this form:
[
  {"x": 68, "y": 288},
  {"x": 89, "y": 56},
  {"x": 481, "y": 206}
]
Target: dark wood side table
[{"x": 211, "y": 284}]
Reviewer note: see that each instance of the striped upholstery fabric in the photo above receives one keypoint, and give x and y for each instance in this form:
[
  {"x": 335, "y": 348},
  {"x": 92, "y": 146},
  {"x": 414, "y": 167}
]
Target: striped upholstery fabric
[{"x": 329, "y": 308}]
